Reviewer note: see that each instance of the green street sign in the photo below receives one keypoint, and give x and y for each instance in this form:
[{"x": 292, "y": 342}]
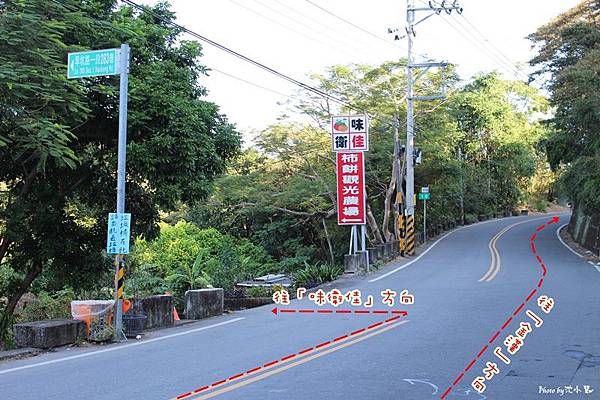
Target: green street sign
[
  {"x": 93, "y": 63},
  {"x": 424, "y": 196}
]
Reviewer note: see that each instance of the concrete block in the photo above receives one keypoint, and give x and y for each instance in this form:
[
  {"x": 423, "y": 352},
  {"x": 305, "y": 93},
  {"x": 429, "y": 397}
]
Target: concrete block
[
  {"x": 395, "y": 248},
  {"x": 157, "y": 309},
  {"x": 48, "y": 334},
  {"x": 387, "y": 251},
  {"x": 352, "y": 263},
  {"x": 203, "y": 303},
  {"x": 372, "y": 255},
  {"x": 380, "y": 251}
]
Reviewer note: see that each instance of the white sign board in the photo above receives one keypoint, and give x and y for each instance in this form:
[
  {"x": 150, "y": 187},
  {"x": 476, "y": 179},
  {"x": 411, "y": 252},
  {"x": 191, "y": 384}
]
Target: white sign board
[{"x": 350, "y": 133}]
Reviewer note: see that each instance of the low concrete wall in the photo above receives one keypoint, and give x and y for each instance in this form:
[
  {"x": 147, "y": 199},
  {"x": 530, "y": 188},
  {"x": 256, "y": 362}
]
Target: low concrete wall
[
  {"x": 157, "y": 309},
  {"x": 48, "y": 334},
  {"x": 241, "y": 303},
  {"x": 203, "y": 303},
  {"x": 585, "y": 230}
]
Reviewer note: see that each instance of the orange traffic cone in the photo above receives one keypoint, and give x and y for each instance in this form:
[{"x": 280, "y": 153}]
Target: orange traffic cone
[{"x": 175, "y": 315}]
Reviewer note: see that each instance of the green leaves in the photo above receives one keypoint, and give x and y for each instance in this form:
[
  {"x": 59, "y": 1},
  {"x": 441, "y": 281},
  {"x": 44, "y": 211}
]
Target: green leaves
[{"x": 569, "y": 53}]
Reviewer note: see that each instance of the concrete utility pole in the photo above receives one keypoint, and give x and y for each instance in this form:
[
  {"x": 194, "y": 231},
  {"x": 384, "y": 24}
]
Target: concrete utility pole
[
  {"x": 121, "y": 157},
  {"x": 411, "y": 11}
]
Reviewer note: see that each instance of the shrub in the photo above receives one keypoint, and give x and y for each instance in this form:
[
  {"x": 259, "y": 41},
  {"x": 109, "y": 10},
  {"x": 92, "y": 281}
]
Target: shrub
[{"x": 316, "y": 274}]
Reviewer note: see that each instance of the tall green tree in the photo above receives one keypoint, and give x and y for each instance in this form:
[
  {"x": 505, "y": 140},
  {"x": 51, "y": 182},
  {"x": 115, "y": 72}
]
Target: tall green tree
[
  {"x": 58, "y": 137},
  {"x": 569, "y": 57}
]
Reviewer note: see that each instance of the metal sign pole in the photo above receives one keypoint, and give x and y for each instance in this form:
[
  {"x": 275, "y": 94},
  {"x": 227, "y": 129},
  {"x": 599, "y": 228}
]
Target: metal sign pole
[
  {"x": 424, "y": 220},
  {"x": 363, "y": 232},
  {"x": 122, "y": 150}
]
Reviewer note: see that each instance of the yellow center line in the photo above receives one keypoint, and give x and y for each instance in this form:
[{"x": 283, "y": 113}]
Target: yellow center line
[
  {"x": 496, "y": 260},
  {"x": 277, "y": 370}
]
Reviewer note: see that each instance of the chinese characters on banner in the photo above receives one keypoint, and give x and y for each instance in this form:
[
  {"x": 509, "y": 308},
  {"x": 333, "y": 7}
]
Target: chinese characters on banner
[
  {"x": 351, "y": 188},
  {"x": 350, "y": 133},
  {"x": 117, "y": 241}
]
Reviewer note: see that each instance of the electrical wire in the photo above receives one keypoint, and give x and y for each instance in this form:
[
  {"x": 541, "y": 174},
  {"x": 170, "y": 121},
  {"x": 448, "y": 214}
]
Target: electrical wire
[
  {"x": 504, "y": 56},
  {"x": 351, "y": 24},
  {"x": 239, "y": 55}
]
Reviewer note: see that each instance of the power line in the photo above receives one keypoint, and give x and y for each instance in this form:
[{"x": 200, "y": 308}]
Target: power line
[
  {"x": 504, "y": 56},
  {"x": 478, "y": 43},
  {"x": 239, "y": 55},
  {"x": 253, "y": 84},
  {"x": 314, "y": 20},
  {"x": 284, "y": 26},
  {"x": 300, "y": 23},
  {"x": 487, "y": 45},
  {"x": 351, "y": 24}
]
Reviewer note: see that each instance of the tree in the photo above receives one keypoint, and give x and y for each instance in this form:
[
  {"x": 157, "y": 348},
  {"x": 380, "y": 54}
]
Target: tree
[
  {"x": 58, "y": 138},
  {"x": 569, "y": 54}
]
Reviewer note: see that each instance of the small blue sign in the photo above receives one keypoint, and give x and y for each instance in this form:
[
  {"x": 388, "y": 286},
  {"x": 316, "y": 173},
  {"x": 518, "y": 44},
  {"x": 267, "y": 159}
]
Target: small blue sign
[{"x": 119, "y": 231}]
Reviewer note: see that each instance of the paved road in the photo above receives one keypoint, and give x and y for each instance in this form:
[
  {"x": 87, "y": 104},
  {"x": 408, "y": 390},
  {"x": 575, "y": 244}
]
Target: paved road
[{"x": 455, "y": 314}]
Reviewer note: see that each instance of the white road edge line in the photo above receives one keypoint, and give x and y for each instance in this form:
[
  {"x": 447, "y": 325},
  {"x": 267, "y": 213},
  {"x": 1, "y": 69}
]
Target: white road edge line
[
  {"x": 416, "y": 259},
  {"x": 92, "y": 353},
  {"x": 444, "y": 237},
  {"x": 563, "y": 242},
  {"x": 594, "y": 265}
]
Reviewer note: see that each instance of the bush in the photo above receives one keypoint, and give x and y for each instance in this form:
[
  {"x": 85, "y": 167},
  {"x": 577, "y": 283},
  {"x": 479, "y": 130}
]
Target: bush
[
  {"x": 185, "y": 257},
  {"x": 316, "y": 274}
]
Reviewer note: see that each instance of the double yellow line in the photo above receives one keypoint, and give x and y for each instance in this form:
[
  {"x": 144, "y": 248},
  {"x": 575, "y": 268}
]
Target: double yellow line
[
  {"x": 496, "y": 261},
  {"x": 309, "y": 357}
]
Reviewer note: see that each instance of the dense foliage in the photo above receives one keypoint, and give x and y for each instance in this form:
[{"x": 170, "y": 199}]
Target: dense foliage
[
  {"x": 186, "y": 257},
  {"x": 569, "y": 55},
  {"x": 58, "y": 138},
  {"x": 479, "y": 146},
  {"x": 230, "y": 215}
]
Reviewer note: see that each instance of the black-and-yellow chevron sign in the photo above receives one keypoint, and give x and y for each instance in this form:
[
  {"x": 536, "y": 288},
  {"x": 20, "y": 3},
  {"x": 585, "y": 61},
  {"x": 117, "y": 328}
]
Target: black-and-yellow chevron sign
[{"x": 410, "y": 235}]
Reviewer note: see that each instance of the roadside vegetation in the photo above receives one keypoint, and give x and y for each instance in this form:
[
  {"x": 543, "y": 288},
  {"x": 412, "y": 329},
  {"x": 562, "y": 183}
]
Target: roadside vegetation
[{"x": 207, "y": 212}]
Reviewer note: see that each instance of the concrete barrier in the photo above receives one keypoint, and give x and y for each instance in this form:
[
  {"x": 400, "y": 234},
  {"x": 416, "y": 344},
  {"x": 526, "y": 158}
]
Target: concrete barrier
[
  {"x": 387, "y": 251},
  {"x": 203, "y": 303},
  {"x": 48, "y": 334},
  {"x": 372, "y": 255},
  {"x": 395, "y": 248},
  {"x": 352, "y": 263},
  {"x": 241, "y": 303},
  {"x": 157, "y": 309}
]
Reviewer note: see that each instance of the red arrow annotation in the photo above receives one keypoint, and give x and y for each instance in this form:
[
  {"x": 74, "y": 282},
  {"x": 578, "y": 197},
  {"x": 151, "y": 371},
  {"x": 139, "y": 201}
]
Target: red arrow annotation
[
  {"x": 282, "y": 360},
  {"x": 540, "y": 228},
  {"x": 310, "y": 311}
]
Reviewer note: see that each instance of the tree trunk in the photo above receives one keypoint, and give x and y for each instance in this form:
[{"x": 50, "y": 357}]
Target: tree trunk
[
  {"x": 373, "y": 225},
  {"x": 387, "y": 205},
  {"x": 328, "y": 241},
  {"x": 7, "y": 314}
]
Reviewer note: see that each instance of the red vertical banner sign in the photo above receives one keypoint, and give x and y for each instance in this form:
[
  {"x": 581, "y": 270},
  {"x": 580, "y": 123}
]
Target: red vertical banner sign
[{"x": 351, "y": 188}]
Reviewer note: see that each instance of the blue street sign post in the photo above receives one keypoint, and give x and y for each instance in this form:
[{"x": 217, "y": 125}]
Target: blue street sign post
[
  {"x": 100, "y": 63},
  {"x": 93, "y": 63},
  {"x": 424, "y": 195}
]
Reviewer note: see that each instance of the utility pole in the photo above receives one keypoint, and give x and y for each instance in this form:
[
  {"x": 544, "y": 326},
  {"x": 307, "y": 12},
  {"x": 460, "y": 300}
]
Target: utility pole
[
  {"x": 411, "y": 11},
  {"x": 121, "y": 157}
]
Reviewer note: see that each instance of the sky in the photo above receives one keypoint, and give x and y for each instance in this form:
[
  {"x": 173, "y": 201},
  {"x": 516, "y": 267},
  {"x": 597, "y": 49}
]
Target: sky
[{"x": 298, "y": 38}]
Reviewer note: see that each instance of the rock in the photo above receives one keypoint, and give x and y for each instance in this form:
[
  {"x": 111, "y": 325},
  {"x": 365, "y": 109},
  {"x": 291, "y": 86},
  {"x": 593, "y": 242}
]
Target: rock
[{"x": 203, "y": 303}]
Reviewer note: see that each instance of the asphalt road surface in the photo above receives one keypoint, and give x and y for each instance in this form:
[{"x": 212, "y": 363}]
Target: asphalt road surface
[{"x": 463, "y": 297}]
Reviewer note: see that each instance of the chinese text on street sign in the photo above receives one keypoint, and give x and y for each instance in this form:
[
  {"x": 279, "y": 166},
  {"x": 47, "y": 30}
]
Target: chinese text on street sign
[
  {"x": 93, "y": 63},
  {"x": 118, "y": 233},
  {"x": 351, "y": 189},
  {"x": 350, "y": 133}
]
